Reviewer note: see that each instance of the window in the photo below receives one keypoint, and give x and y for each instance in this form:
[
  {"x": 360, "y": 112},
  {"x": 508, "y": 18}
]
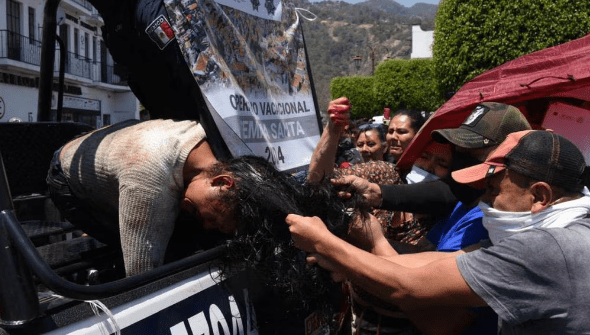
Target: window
[
  {"x": 86, "y": 46},
  {"x": 13, "y": 17},
  {"x": 94, "y": 50},
  {"x": 64, "y": 30},
  {"x": 76, "y": 42},
  {"x": 106, "y": 119},
  {"x": 31, "y": 25}
]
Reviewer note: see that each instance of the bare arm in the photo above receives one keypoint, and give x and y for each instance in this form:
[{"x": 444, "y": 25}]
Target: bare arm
[
  {"x": 368, "y": 235},
  {"x": 324, "y": 154},
  {"x": 436, "y": 283}
]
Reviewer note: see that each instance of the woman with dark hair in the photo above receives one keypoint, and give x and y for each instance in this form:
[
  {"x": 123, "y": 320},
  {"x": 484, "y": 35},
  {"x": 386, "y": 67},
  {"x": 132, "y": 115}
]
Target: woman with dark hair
[
  {"x": 132, "y": 184},
  {"x": 403, "y": 126},
  {"x": 403, "y": 229},
  {"x": 262, "y": 241},
  {"x": 371, "y": 142}
]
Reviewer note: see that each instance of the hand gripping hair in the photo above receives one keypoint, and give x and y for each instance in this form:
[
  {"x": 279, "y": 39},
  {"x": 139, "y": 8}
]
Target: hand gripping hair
[{"x": 264, "y": 197}]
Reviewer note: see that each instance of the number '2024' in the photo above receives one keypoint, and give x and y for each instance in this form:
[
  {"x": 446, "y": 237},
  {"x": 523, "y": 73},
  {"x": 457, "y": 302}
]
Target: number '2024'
[{"x": 274, "y": 155}]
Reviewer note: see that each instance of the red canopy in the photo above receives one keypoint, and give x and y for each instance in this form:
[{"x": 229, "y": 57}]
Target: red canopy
[{"x": 561, "y": 71}]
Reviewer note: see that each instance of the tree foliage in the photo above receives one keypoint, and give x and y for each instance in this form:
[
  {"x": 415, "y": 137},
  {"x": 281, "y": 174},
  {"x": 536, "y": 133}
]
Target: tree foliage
[
  {"x": 474, "y": 36},
  {"x": 343, "y": 30},
  {"x": 397, "y": 83},
  {"x": 359, "y": 90},
  {"x": 407, "y": 83}
]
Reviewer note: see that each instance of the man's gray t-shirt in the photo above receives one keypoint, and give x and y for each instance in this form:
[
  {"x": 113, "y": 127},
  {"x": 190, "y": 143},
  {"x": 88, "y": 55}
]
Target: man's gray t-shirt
[{"x": 537, "y": 281}]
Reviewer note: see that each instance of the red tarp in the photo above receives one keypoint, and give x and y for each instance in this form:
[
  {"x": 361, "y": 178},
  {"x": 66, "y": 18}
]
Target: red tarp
[{"x": 560, "y": 71}]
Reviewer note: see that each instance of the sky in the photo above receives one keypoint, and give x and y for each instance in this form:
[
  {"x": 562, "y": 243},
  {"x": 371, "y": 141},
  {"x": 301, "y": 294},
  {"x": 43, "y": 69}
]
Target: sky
[{"x": 407, "y": 3}]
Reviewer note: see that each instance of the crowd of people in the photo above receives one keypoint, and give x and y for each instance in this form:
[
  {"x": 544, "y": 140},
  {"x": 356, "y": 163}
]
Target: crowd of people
[{"x": 486, "y": 232}]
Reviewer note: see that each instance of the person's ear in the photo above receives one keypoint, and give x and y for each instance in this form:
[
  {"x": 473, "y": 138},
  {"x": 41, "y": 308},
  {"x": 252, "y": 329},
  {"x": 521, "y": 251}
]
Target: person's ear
[
  {"x": 224, "y": 181},
  {"x": 185, "y": 205},
  {"x": 542, "y": 196}
]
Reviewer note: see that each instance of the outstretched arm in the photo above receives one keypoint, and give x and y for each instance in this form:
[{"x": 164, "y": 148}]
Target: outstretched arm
[
  {"x": 324, "y": 154},
  {"x": 423, "y": 198},
  {"x": 436, "y": 281},
  {"x": 368, "y": 236}
]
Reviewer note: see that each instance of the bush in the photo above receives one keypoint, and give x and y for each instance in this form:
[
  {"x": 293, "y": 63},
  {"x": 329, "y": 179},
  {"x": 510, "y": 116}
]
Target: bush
[
  {"x": 359, "y": 90},
  {"x": 397, "y": 83},
  {"x": 473, "y": 36},
  {"x": 407, "y": 83}
]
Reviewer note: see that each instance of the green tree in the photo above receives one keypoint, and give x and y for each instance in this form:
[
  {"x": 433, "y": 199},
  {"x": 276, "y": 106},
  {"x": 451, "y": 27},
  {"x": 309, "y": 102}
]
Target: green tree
[
  {"x": 407, "y": 83},
  {"x": 397, "y": 83},
  {"x": 359, "y": 90},
  {"x": 472, "y": 36}
]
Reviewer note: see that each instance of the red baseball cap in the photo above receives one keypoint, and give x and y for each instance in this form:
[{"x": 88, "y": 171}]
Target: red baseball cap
[{"x": 538, "y": 154}]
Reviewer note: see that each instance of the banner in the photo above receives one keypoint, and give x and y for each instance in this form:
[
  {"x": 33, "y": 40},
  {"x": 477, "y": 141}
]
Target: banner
[{"x": 249, "y": 60}]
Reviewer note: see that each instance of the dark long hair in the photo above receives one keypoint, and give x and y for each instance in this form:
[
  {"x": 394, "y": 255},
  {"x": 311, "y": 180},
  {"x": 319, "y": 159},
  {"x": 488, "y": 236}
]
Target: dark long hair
[
  {"x": 264, "y": 197},
  {"x": 417, "y": 117}
]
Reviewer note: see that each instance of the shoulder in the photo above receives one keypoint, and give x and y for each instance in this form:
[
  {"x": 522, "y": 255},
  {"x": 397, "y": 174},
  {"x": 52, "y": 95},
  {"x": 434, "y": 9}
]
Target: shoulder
[
  {"x": 159, "y": 129},
  {"x": 535, "y": 250},
  {"x": 154, "y": 150}
]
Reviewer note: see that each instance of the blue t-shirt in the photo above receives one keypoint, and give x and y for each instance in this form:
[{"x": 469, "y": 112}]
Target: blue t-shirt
[{"x": 462, "y": 228}]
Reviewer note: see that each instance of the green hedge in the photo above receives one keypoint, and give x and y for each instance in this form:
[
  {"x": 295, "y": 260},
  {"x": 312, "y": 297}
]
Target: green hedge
[
  {"x": 359, "y": 90},
  {"x": 473, "y": 36},
  {"x": 407, "y": 83},
  {"x": 397, "y": 83}
]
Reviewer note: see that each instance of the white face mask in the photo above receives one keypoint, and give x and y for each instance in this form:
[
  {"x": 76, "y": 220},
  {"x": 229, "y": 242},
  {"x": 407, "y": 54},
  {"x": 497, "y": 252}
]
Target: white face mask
[
  {"x": 418, "y": 175},
  {"x": 501, "y": 224}
]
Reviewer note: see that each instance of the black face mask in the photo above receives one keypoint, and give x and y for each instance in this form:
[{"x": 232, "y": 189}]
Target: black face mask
[{"x": 466, "y": 194}]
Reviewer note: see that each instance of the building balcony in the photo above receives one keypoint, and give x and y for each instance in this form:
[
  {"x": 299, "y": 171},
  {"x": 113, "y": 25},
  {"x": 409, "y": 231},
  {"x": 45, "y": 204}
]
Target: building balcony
[
  {"x": 83, "y": 3},
  {"x": 21, "y": 52},
  {"x": 80, "y": 7}
]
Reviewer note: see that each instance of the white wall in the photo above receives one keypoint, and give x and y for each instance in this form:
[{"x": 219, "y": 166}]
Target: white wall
[
  {"x": 421, "y": 42},
  {"x": 123, "y": 106},
  {"x": 19, "y": 102}
]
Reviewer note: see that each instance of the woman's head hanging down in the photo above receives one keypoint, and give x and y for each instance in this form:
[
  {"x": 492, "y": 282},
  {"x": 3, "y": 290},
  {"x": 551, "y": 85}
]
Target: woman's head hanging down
[{"x": 264, "y": 197}]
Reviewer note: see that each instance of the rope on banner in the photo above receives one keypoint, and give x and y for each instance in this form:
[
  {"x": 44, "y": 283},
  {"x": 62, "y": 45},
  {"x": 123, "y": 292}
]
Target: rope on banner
[{"x": 300, "y": 11}]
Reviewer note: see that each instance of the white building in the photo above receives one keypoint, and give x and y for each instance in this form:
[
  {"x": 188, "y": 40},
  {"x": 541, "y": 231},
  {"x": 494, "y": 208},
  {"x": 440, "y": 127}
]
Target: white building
[
  {"x": 93, "y": 93},
  {"x": 421, "y": 42}
]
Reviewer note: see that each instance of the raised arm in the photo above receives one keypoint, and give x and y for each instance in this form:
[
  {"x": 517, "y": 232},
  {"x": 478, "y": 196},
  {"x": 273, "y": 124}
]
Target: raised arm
[{"x": 324, "y": 154}]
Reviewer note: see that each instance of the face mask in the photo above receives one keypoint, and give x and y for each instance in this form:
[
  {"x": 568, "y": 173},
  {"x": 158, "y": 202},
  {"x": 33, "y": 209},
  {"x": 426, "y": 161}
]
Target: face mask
[
  {"x": 418, "y": 175},
  {"x": 462, "y": 160},
  {"x": 501, "y": 224},
  {"x": 464, "y": 193}
]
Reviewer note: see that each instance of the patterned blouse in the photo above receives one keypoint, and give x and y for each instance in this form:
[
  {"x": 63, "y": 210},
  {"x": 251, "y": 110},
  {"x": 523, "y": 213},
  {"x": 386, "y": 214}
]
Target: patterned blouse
[{"x": 397, "y": 226}]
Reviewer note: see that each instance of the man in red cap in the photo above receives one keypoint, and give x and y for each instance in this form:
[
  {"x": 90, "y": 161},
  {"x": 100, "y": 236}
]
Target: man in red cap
[{"x": 534, "y": 273}]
